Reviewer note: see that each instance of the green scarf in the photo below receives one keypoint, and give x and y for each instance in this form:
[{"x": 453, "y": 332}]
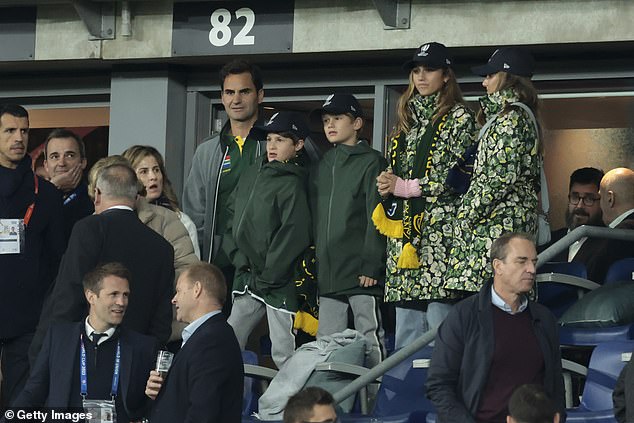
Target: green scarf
[{"x": 410, "y": 157}]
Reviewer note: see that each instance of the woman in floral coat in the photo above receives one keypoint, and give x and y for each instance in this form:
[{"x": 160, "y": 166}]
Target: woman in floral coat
[
  {"x": 502, "y": 196},
  {"x": 433, "y": 130}
]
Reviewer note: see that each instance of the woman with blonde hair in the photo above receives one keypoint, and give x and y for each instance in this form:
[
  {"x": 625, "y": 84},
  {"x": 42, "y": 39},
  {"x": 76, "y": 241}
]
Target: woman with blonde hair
[
  {"x": 434, "y": 129},
  {"x": 503, "y": 194},
  {"x": 149, "y": 166}
]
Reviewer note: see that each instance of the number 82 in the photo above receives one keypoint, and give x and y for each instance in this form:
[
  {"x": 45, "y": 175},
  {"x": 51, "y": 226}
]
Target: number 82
[{"x": 220, "y": 33}]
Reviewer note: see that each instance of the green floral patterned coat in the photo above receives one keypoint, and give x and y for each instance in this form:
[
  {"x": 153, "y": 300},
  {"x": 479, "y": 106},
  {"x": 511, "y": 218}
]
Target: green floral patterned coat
[
  {"x": 502, "y": 196},
  {"x": 441, "y": 203}
]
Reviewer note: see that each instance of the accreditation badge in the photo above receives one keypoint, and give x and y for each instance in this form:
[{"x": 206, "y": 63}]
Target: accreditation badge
[
  {"x": 101, "y": 411},
  {"x": 12, "y": 236}
]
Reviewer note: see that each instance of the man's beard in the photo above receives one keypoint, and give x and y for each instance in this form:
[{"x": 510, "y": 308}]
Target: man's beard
[{"x": 580, "y": 212}]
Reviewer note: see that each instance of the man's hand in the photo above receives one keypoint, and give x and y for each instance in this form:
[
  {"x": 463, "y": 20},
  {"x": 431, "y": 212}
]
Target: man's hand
[
  {"x": 385, "y": 183},
  {"x": 67, "y": 181},
  {"x": 366, "y": 281},
  {"x": 154, "y": 384}
]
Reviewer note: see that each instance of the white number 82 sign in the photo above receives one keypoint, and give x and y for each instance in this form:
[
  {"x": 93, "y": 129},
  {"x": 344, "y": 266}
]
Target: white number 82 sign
[{"x": 220, "y": 33}]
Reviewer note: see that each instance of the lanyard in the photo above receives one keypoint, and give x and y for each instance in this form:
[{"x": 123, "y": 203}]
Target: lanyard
[
  {"x": 83, "y": 374},
  {"x": 29, "y": 211}
]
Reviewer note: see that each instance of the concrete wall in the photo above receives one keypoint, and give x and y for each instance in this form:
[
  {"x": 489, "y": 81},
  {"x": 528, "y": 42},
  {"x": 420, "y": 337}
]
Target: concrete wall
[
  {"x": 334, "y": 25},
  {"x": 356, "y": 25}
]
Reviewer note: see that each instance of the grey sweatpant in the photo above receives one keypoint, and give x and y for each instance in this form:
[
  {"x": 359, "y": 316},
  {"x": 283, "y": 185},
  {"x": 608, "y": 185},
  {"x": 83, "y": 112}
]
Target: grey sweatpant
[
  {"x": 247, "y": 312},
  {"x": 333, "y": 318}
]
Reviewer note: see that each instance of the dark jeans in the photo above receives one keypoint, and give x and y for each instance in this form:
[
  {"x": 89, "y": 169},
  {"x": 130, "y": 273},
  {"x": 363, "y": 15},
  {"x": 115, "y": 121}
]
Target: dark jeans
[{"x": 14, "y": 362}]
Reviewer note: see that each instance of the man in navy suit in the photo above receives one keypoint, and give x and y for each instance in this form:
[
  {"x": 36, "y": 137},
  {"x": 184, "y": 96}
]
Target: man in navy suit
[
  {"x": 205, "y": 382},
  {"x": 96, "y": 346},
  {"x": 114, "y": 233}
]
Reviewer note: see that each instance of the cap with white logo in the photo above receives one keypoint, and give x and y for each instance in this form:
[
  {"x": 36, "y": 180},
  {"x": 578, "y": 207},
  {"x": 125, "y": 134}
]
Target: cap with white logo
[
  {"x": 286, "y": 122},
  {"x": 339, "y": 104},
  {"x": 513, "y": 60},
  {"x": 433, "y": 55}
]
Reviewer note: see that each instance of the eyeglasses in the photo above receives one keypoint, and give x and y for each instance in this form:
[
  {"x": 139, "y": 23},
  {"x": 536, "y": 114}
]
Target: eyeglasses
[{"x": 588, "y": 200}]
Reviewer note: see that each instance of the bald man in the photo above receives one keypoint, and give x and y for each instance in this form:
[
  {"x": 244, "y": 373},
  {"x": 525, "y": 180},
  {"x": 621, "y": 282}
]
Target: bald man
[{"x": 617, "y": 204}]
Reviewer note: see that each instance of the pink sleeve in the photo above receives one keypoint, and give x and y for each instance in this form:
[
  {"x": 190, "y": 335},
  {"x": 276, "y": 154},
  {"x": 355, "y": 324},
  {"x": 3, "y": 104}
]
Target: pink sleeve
[{"x": 407, "y": 188}]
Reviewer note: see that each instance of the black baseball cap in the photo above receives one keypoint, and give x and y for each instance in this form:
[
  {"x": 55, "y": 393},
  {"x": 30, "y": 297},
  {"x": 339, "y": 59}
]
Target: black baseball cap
[
  {"x": 339, "y": 104},
  {"x": 513, "y": 60},
  {"x": 290, "y": 122},
  {"x": 433, "y": 55}
]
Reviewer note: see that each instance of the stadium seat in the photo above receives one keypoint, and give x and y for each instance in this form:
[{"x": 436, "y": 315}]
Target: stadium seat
[
  {"x": 561, "y": 284},
  {"x": 401, "y": 396},
  {"x": 605, "y": 314},
  {"x": 606, "y": 363},
  {"x": 622, "y": 270},
  {"x": 250, "y": 397}
]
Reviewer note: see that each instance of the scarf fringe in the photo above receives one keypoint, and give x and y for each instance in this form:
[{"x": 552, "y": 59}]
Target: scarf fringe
[
  {"x": 409, "y": 258},
  {"x": 306, "y": 322},
  {"x": 385, "y": 225}
]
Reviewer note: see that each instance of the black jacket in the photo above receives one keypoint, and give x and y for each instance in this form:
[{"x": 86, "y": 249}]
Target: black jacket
[
  {"x": 51, "y": 381},
  {"x": 114, "y": 235},
  {"x": 77, "y": 205},
  {"x": 26, "y": 277},
  {"x": 464, "y": 350},
  {"x": 598, "y": 254},
  {"x": 623, "y": 395},
  {"x": 205, "y": 382}
]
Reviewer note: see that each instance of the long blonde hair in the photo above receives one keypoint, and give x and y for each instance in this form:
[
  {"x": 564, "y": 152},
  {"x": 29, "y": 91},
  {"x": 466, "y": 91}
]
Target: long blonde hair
[{"x": 448, "y": 96}]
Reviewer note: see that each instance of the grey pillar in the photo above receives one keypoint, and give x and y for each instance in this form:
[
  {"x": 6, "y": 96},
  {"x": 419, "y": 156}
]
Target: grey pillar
[{"x": 148, "y": 108}]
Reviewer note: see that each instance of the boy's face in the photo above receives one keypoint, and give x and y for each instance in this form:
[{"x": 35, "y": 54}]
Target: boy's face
[
  {"x": 341, "y": 129},
  {"x": 281, "y": 148}
]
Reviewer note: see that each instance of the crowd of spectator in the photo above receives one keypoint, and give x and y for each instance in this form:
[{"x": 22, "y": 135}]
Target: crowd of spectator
[{"x": 442, "y": 228}]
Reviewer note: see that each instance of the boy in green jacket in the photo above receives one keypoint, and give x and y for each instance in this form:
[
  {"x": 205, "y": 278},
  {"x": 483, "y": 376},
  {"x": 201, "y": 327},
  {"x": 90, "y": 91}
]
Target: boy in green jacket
[
  {"x": 350, "y": 251},
  {"x": 268, "y": 231}
]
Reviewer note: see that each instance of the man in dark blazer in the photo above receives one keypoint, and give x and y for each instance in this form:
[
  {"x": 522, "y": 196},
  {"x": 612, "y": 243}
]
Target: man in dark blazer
[
  {"x": 583, "y": 209},
  {"x": 115, "y": 234},
  {"x": 55, "y": 376},
  {"x": 617, "y": 205},
  {"x": 206, "y": 380}
]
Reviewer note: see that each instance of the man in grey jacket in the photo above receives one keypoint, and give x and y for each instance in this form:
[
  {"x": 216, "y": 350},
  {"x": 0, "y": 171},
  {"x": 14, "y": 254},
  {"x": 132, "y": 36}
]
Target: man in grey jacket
[{"x": 220, "y": 160}]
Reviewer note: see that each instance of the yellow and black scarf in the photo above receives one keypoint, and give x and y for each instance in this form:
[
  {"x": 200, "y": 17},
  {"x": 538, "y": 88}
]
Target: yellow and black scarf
[{"x": 401, "y": 218}]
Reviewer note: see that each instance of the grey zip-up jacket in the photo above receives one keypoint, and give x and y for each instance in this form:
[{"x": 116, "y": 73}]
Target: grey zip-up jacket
[{"x": 201, "y": 190}]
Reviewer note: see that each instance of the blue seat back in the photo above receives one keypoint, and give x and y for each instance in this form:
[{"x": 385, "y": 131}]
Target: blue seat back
[
  {"x": 621, "y": 270},
  {"x": 403, "y": 388},
  {"x": 250, "y": 394},
  {"x": 558, "y": 297},
  {"x": 605, "y": 366}
]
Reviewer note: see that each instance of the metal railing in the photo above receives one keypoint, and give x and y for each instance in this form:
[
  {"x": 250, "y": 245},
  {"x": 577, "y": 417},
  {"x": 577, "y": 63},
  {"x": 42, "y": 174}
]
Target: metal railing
[
  {"x": 581, "y": 232},
  {"x": 382, "y": 368}
]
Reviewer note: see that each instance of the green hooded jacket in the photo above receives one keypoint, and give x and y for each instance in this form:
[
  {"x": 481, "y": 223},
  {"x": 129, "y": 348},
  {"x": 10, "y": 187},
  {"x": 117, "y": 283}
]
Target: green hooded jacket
[
  {"x": 343, "y": 196},
  {"x": 269, "y": 231}
]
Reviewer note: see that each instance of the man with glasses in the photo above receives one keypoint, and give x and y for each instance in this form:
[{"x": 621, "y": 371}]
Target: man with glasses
[
  {"x": 617, "y": 206},
  {"x": 311, "y": 405},
  {"x": 583, "y": 209}
]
